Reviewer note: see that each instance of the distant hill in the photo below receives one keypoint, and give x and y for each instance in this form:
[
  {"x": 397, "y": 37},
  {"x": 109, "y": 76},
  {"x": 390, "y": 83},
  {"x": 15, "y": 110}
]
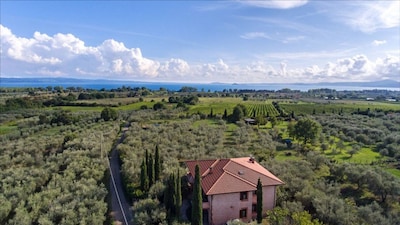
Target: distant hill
[{"x": 381, "y": 83}]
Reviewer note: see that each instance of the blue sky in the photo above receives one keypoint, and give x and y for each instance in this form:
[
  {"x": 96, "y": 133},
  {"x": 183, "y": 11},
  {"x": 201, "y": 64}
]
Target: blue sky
[{"x": 202, "y": 41}]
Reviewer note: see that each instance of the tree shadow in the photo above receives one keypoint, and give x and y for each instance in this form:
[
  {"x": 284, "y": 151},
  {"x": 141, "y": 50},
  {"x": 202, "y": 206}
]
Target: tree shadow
[{"x": 358, "y": 195}]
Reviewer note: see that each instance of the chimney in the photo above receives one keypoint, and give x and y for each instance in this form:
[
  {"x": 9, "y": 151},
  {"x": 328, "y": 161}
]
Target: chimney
[
  {"x": 251, "y": 159},
  {"x": 210, "y": 170}
]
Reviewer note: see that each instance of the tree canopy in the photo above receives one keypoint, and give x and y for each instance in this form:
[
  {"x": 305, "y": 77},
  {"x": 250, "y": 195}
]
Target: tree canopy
[
  {"x": 109, "y": 114},
  {"x": 306, "y": 130}
]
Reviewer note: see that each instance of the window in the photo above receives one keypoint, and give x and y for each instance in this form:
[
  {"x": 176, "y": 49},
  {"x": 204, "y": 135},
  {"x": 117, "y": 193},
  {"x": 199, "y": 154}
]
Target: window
[
  {"x": 243, "y": 213},
  {"x": 254, "y": 208},
  {"x": 243, "y": 195}
]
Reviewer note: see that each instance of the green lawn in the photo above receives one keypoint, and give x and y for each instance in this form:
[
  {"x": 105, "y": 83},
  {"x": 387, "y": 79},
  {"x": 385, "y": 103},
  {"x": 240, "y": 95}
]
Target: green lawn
[
  {"x": 394, "y": 171},
  {"x": 79, "y": 108},
  {"x": 365, "y": 156},
  {"x": 206, "y": 121},
  {"x": 136, "y": 105},
  {"x": 5, "y": 129},
  {"x": 281, "y": 155}
]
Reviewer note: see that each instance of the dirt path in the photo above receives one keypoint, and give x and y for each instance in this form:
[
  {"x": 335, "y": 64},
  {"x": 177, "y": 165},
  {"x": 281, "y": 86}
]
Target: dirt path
[{"x": 121, "y": 209}]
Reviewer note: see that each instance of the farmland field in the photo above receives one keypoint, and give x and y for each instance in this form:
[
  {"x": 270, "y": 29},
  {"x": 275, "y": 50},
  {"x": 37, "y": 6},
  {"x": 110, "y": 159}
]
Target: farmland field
[
  {"x": 304, "y": 108},
  {"x": 218, "y": 105},
  {"x": 261, "y": 109}
]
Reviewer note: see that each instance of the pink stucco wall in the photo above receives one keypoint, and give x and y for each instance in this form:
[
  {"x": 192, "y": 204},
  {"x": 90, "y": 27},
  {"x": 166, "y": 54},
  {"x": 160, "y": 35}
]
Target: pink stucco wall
[
  {"x": 269, "y": 195},
  {"x": 224, "y": 207}
]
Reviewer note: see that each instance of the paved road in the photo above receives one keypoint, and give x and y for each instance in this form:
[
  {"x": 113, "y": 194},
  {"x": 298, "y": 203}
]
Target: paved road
[{"x": 121, "y": 210}]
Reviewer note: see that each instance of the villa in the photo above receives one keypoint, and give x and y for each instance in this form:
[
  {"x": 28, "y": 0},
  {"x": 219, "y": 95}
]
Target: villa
[{"x": 229, "y": 188}]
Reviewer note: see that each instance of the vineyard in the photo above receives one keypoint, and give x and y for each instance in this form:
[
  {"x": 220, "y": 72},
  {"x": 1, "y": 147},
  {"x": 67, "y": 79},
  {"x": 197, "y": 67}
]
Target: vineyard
[{"x": 261, "y": 109}]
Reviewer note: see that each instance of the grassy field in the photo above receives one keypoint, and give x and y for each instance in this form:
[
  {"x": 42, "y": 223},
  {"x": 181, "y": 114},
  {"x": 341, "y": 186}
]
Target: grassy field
[
  {"x": 394, "y": 171},
  {"x": 136, "y": 105},
  {"x": 110, "y": 101},
  {"x": 364, "y": 156},
  {"x": 5, "y": 129},
  {"x": 218, "y": 105},
  {"x": 79, "y": 108}
]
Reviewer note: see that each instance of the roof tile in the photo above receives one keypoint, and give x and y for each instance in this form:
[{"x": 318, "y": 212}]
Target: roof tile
[{"x": 231, "y": 175}]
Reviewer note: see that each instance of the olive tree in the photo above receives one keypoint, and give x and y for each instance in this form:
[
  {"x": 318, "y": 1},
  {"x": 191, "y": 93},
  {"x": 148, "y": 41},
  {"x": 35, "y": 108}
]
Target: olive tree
[
  {"x": 306, "y": 130},
  {"x": 109, "y": 114}
]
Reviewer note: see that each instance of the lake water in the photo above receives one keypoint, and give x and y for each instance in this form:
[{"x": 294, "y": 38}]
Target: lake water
[{"x": 113, "y": 84}]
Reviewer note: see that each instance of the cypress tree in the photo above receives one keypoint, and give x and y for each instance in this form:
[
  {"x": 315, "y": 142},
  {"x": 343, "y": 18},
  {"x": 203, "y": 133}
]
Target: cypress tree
[
  {"x": 173, "y": 194},
  {"x": 157, "y": 165},
  {"x": 147, "y": 157},
  {"x": 150, "y": 170},
  {"x": 178, "y": 196},
  {"x": 197, "y": 205},
  {"x": 144, "y": 179},
  {"x": 259, "y": 208},
  {"x": 169, "y": 198},
  {"x": 147, "y": 161},
  {"x": 225, "y": 116}
]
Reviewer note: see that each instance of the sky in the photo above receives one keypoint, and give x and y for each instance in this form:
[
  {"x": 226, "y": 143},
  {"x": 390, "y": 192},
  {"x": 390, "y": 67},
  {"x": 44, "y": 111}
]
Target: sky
[{"x": 230, "y": 41}]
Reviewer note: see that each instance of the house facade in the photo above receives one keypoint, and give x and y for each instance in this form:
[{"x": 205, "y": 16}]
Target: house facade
[{"x": 229, "y": 188}]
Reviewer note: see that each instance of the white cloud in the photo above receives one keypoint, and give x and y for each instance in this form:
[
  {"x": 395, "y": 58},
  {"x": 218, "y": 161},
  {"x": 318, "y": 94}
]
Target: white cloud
[
  {"x": 211, "y": 69},
  {"x": 254, "y": 35},
  {"x": 177, "y": 66},
  {"x": 287, "y": 24},
  {"x": 306, "y": 55},
  {"x": 366, "y": 16},
  {"x": 378, "y": 42},
  {"x": 388, "y": 67},
  {"x": 262, "y": 35},
  {"x": 65, "y": 54},
  {"x": 293, "y": 39},
  {"x": 283, "y": 68},
  {"x": 275, "y": 4},
  {"x": 68, "y": 56}
]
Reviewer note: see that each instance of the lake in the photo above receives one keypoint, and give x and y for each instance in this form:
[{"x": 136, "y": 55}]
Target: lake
[{"x": 113, "y": 84}]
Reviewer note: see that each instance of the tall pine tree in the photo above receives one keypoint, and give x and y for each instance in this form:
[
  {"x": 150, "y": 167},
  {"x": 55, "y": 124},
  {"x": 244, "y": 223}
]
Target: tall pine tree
[
  {"x": 259, "y": 208},
  {"x": 197, "y": 207},
  {"x": 157, "y": 165}
]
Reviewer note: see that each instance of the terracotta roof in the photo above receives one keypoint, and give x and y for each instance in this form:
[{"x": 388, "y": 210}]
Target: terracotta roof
[{"x": 231, "y": 175}]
